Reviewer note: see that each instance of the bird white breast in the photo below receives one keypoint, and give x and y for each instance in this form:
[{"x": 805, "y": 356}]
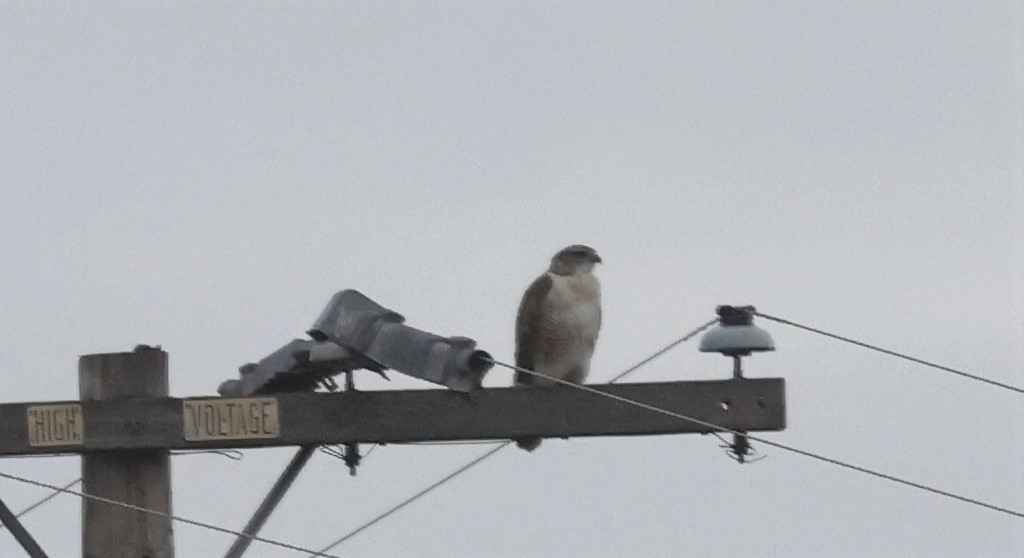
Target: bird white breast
[
  {"x": 574, "y": 303},
  {"x": 577, "y": 302}
]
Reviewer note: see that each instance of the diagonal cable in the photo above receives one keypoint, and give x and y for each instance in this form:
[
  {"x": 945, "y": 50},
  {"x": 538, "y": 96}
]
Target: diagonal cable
[
  {"x": 792, "y": 449},
  {"x": 177, "y": 518},
  {"x": 230, "y": 454},
  {"x": 411, "y": 499},
  {"x": 51, "y": 496},
  {"x": 891, "y": 353},
  {"x": 664, "y": 350},
  {"x": 495, "y": 450}
]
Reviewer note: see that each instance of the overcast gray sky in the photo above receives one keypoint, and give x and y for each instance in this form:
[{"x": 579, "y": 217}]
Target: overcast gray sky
[{"x": 204, "y": 176}]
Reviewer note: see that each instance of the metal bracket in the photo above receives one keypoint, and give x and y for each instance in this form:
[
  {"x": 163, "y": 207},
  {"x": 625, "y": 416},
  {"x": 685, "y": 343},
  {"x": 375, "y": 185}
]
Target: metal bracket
[
  {"x": 284, "y": 482},
  {"x": 740, "y": 448},
  {"x": 352, "y": 457}
]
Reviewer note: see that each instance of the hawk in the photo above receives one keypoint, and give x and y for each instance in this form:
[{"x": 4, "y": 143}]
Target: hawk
[{"x": 558, "y": 322}]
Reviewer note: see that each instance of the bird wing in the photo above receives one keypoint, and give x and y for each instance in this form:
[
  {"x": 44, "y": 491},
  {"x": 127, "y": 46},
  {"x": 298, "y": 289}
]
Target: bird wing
[{"x": 529, "y": 326}]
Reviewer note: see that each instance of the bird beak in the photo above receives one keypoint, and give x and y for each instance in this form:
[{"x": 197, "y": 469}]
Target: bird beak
[{"x": 597, "y": 259}]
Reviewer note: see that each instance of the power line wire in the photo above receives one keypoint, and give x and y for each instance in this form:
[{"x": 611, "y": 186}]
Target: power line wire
[
  {"x": 335, "y": 451},
  {"x": 891, "y": 353},
  {"x": 452, "y": 443},
  {"x": 663, "y": 350},
  {"x": 693, "y": 333},
  {"x": 773, "y": 444},
  {"x": 51, "y": 496},
  {"x": 233, "y": 455},
  {"x": 177, "y": 518},
  {"x": 230, "y": 454},
  {"x": 412, "y": 498}
]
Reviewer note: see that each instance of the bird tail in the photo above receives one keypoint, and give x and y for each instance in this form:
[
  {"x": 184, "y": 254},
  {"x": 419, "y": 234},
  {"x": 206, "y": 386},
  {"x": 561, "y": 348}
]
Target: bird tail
[
  {"x": 529, "y": 443},
  {"x": 522, "y": 379}
]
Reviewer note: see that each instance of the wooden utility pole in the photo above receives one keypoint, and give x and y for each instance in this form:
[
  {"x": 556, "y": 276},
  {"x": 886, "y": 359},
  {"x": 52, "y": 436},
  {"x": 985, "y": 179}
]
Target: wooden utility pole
[
  {"x": 125, "y": 425},
  {"x": 140, "y": 477}
]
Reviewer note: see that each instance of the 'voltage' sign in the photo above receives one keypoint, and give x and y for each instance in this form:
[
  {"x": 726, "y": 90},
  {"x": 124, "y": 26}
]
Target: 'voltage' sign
[{"x": 230, "y": 419}]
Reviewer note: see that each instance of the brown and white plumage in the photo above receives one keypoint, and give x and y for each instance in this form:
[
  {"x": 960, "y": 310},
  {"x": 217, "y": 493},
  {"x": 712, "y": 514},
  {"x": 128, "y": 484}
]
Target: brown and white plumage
[{"x": 558, "y": 322}]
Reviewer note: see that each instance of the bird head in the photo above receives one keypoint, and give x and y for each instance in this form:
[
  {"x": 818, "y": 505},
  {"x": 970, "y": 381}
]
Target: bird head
[{"x": 574, "y": 260}]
